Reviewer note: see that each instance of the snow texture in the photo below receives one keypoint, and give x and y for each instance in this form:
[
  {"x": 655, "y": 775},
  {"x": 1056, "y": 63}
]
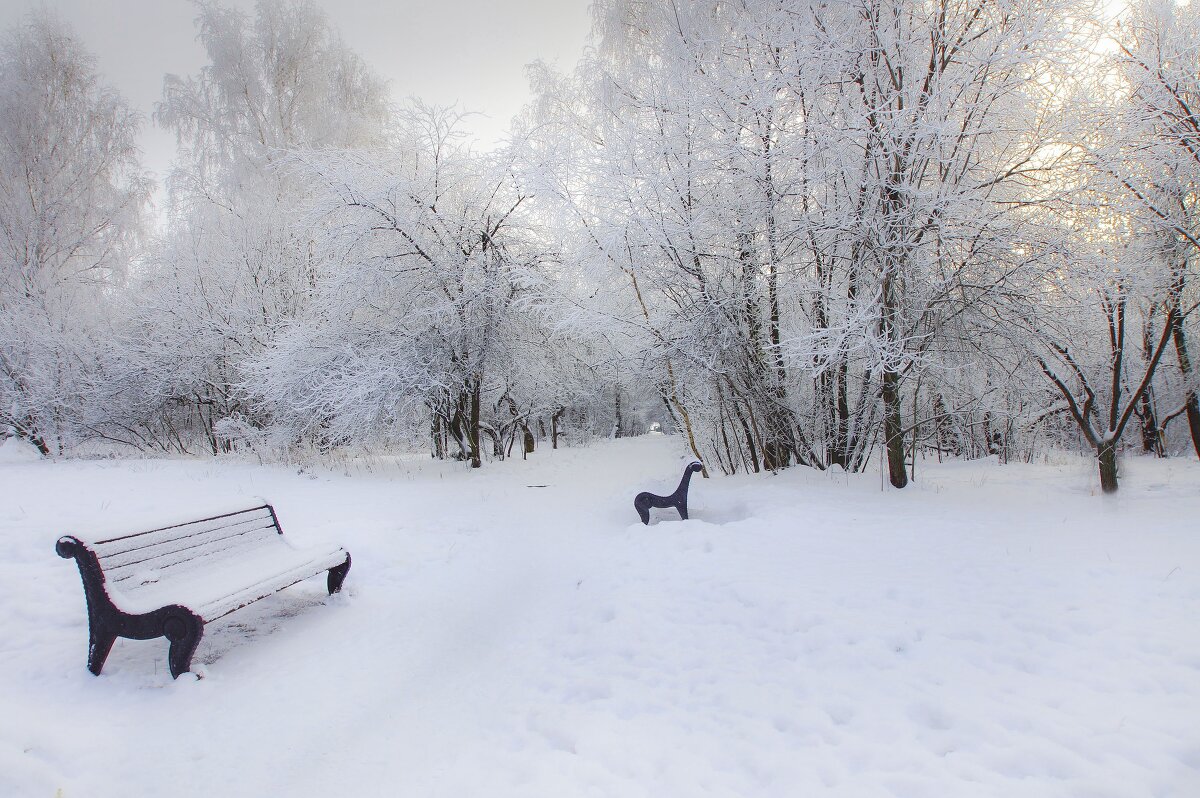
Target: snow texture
[{"x": 990, "y": 631}]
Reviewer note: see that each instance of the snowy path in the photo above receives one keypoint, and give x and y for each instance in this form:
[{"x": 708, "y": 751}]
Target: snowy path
[{"x": 990, "y": 632}]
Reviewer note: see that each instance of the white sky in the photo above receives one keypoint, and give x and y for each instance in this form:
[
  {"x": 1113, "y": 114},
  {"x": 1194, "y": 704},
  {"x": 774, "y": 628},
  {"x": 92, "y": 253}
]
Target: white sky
[{"x": 472, "y": 52}]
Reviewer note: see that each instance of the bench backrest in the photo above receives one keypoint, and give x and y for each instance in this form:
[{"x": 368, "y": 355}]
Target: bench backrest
[{"x": 129, "y": 560}]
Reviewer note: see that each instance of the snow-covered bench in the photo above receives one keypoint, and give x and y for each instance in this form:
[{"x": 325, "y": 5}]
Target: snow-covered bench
[{"x": 169, "y": 582}]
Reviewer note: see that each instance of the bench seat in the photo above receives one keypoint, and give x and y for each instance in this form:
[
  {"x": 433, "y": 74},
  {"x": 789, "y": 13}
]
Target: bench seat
[{"x": 218, "y": 586}]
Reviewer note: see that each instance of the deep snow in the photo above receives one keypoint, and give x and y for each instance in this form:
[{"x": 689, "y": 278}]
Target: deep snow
[{"x": 990, "y": 631}]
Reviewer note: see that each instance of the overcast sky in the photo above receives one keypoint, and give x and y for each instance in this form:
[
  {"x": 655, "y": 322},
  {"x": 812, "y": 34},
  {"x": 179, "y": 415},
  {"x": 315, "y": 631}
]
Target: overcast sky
[{"x": 472, "y": 52}]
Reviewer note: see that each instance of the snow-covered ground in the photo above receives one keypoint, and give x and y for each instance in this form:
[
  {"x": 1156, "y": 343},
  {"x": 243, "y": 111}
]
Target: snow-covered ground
[{"x": 991, "y": 631}]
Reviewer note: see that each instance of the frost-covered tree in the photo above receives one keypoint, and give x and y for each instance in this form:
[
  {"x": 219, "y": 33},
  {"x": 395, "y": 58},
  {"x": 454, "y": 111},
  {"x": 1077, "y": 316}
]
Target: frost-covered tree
[
  {"x": 71, "y": 191},
  {"x": 810, "y": 203},
  {"x": 1120, "y": 292},
  {"x": 1147, "y": 149},
  {"x": 1093, "y": 341},
  {"x": 425, "y": 303},
  {"x": 275, "y": 81},
  {"x": 238, "y": 264},
  {"x": 947, "y": 114}
]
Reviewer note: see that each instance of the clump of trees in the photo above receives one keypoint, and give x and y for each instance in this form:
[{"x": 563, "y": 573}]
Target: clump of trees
[
  {"x": 799, "y": 234},
  {"x": 71, "y": 195},
  {"x": 816, "y": 207}
]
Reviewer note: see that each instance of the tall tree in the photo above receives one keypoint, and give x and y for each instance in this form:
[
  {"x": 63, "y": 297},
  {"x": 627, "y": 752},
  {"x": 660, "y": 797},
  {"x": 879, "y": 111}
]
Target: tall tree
[
  {"x": 1150, "y": 150},
  {"x": 1091, "y": 329},
  {"x": 238, "y": 265},
  {"x": 71, "y": 191},
  {"x": 947, "y": 113}
]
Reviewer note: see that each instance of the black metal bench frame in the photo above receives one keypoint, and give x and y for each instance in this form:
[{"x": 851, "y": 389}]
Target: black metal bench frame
[
  {"x": 679, "y": 499},
  {"x": 182, "y": 626}
]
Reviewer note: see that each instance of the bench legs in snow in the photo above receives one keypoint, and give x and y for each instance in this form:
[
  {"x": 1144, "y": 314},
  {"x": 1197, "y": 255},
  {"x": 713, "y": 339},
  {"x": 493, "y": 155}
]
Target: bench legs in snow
[
  {"x": 337, "y": 575},
  {"x": 184, "y": 629},
  {"x": 100, "y": 642}
]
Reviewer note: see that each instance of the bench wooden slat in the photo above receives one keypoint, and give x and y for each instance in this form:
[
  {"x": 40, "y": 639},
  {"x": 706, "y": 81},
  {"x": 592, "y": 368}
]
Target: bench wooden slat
[
  {"x": 265, "y": 508},
  {"x": 194, "y": 547},
  {"x": 114, "y": 547},
  {"x": 167, "y": 567}
]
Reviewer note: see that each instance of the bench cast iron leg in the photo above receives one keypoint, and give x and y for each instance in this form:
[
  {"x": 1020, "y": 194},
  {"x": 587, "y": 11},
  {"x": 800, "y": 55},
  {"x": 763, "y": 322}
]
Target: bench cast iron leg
[
  {"x": 100, "y": 642},
  {"x": 641, "y": 503},
  {"x": 337, "y": 575},
  {"x": 645, "y": 500},
  {"x": 184, "y": 630}
]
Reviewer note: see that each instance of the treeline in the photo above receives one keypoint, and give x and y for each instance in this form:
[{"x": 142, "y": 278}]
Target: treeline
[{"x": 799, "y": 234}]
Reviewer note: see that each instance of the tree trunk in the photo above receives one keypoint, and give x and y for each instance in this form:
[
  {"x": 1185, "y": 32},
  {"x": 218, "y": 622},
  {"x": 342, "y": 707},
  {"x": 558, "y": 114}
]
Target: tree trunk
[
  {"x": 37, "y": 440},
  {"x": 683, "y": 417},
  {"x": 775, "y": 454},
  {"x": 455, "y": 427},
  {"x": 1152, "y": 439},
  {"x": 473, "y": 425},
  {"x": 438, "y": 439},
  {"x": 554, "y": 426},
  {"x": 1106, "y": 457},
  {"x": 842, "y": 417},
  {"x": 893, "y": 431},
  {"x": 1179, "y": 336},
  {"x": 748, "y": 435},
  {"x": 617, "y": 420}
]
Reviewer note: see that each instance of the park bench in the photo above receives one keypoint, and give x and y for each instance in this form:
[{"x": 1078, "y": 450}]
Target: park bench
[
  {"x": 170, "y": 582},
  {"x": 646, "y": 500}
]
